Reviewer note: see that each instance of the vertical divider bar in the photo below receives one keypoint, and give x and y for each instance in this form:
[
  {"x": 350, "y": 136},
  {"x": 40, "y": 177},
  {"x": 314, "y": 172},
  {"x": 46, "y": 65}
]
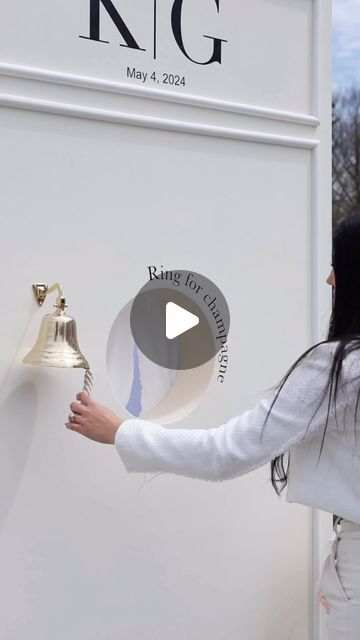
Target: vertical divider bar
[{"x": 321, "y": 234}]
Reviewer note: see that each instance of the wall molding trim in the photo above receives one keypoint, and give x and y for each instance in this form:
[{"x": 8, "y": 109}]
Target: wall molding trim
[
  {"x": 107, "y": 86},
  {"x": 181, "y": 126}
]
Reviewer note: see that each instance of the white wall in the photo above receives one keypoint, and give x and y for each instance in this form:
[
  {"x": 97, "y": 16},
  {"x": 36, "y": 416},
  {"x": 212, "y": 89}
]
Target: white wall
[{"x": 230, "y": 177}]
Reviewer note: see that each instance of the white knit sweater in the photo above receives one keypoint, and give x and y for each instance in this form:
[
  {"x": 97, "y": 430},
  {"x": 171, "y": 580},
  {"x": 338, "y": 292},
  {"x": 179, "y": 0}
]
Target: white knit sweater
[{"x": 236, "y": 447}]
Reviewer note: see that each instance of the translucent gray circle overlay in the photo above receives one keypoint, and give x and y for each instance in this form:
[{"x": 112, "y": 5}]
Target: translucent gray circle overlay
[{"x": 198, "y": 295}]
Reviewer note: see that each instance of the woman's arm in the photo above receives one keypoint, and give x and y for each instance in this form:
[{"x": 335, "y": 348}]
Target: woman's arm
[{"x": 236, "y": 447}]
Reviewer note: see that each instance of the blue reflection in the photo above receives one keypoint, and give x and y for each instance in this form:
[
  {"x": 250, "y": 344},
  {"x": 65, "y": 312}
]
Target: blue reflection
[{"x": 134, "y": 404}]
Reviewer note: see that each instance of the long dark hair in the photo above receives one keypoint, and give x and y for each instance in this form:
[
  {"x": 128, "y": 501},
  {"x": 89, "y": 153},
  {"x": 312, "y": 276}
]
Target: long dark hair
[{"x": 344, "y": 325}]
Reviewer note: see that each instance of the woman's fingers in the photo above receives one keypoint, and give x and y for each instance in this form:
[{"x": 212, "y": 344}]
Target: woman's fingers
[
  {"x": 77, "y": 407},
  {"x": 93, "y": 420},
  {"x": 76, "y": 426},
  {"x": 76, "y": 419},
  {"x": 83, "y": 397}
]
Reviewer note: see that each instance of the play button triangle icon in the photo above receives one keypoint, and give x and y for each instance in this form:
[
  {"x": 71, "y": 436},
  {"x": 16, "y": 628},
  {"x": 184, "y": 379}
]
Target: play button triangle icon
[{"x": 178, "y": 320}]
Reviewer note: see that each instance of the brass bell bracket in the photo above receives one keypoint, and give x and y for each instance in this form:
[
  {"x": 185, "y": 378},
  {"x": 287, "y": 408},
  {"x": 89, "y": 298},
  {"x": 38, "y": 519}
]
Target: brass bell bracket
[{"x": 41, "y": 290}]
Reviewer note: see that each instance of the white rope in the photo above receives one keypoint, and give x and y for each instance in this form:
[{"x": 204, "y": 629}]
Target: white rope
[{"x": 88, "y": 381}]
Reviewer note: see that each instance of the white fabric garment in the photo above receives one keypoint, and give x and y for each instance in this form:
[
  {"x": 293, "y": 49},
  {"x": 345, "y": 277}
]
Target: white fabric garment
[
  {"x": 236, "y": 447},
  {"x": 340, "y": 584}
]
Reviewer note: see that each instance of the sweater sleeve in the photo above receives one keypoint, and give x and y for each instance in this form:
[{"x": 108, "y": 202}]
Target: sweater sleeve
[{"x": 239, "y": 445}]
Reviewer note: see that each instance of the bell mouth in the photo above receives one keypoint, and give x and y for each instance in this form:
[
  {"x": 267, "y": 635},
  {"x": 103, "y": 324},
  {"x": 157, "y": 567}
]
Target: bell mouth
[{"x": 48, "y": 358}]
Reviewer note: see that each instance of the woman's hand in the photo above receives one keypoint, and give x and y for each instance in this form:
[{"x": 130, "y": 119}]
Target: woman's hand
[{"x": 93, "y": 420}]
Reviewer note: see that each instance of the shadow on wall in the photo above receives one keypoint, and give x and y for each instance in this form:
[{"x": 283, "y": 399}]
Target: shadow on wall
[{"x": 17, "y": 420}]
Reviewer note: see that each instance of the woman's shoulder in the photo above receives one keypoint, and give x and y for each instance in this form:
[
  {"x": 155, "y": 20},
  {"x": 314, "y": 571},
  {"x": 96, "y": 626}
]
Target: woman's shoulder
[
  {"x": 317, "y": 361},
  {"x": 324, "y": 352},
  {"x": 351, "y": 361}
]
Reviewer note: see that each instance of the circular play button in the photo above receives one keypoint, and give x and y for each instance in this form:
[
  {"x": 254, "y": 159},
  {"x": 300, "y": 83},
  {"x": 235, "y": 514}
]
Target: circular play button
[{"x": 179, "y": 319}]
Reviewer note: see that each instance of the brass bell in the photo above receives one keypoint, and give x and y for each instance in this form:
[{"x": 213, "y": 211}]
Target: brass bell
[{"x": 56, "y": 345}]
